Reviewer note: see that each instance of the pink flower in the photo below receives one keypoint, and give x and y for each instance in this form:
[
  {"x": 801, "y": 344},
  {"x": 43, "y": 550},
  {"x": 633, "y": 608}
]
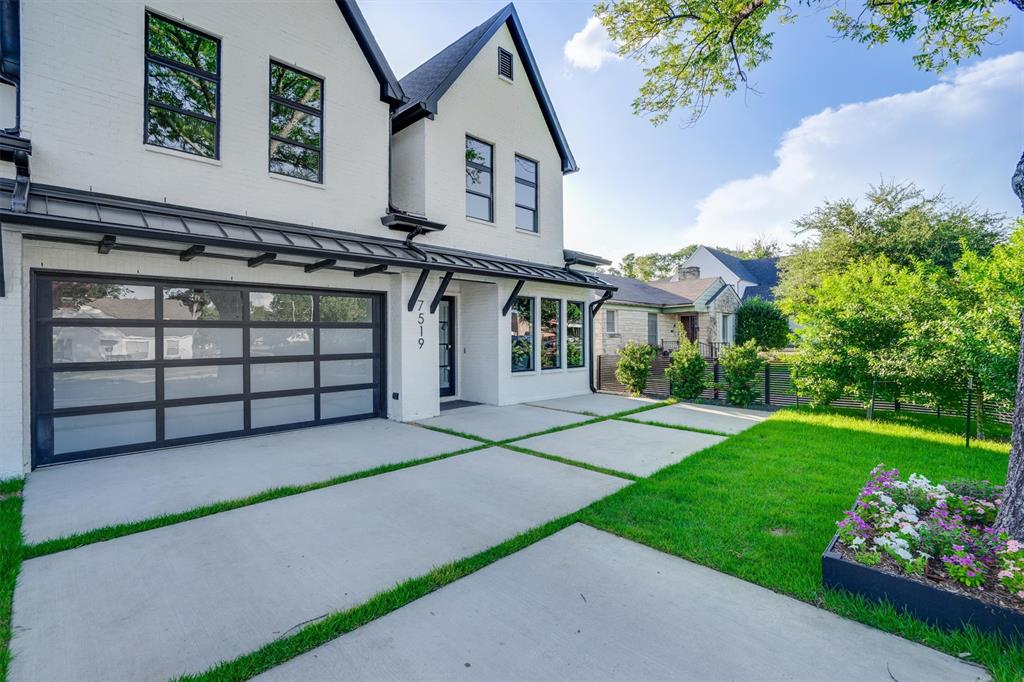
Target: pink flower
[{"x": 1013, "y": 546}]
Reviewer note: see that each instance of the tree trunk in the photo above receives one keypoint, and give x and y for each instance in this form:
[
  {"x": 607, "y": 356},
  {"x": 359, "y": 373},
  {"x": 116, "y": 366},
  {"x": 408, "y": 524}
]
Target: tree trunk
[
  {"x": 1011, "y": 515},
  {"x": 979, "y": 422}
]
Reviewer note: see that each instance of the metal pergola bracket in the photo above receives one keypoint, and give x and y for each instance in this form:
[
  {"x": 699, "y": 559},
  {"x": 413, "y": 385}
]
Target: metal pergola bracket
[
  {"x": 320, "y": 265},
  {"x": 372, "y": 270},
  {"x": 512, "y": 297},
  {"x": 596, "y": 305},
  {"x": 418, "y": 289},
  {"x": 107, "y": 244},
  {"x": 259, "y": 260},
  {"x": 440, "y": 291},
  {"x": 191, "y": 252}
]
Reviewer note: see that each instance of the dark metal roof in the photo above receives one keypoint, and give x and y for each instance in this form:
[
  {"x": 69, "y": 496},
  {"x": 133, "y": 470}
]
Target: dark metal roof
[
  {"x": 580, "y": 258},
  {"x": 634, "y": 291},
  {"x": 390, "y": 88},
  {"x": 103, "y": 214},
  {"x": 425, "y": 85}
]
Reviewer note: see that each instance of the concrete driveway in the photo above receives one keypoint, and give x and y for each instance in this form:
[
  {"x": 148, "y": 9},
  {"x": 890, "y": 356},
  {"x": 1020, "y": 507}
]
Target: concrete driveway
[{"x": 586, "y": 605}]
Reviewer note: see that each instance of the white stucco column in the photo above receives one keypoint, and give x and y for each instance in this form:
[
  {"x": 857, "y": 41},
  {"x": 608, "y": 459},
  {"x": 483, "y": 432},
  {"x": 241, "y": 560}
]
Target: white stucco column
[
  {"x": 413, "y": 373},
  {"x": 12, "y": 360}
]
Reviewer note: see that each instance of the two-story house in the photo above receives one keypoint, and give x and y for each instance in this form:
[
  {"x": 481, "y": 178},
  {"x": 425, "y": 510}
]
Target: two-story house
[{"x": 223, "y": 219}]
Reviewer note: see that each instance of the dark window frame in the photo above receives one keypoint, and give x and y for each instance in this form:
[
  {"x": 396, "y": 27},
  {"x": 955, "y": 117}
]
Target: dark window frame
[
  {"x": 43, "y": 369},
  {"x": 558, "y": 333},
  {"x": 485, "y": 169},
  {"x": 191, "y": 70},
  {"x": 319, "y": 113},
  {"x": 536, "y": 194},
  {"x": 532, "y": 337},
  {"x": 502, "y": 53},
  {"x": 583, "y": 335}
]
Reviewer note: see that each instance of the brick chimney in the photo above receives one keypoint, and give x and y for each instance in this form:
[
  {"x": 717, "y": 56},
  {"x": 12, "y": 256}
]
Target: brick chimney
[{"x": 687, "y": 272}]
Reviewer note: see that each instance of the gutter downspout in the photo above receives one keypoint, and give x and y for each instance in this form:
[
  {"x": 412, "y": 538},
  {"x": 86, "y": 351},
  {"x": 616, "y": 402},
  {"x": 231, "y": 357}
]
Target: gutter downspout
[{"x": 594, "y": 307}]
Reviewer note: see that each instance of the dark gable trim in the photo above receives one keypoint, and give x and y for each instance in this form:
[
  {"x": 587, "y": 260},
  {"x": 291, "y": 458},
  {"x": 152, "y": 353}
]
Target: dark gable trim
[
  {"x": 390, "y": 90},
  {"x": 428, "y": 106}
]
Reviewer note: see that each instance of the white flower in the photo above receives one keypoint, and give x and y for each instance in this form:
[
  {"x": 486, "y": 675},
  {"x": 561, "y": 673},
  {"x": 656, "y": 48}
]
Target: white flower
[{"x": 886, "y": 500}]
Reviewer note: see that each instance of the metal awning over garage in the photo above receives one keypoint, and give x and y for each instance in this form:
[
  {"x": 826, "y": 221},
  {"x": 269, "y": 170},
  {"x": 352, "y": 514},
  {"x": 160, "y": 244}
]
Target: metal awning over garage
[{"x": 114, "y": 217}]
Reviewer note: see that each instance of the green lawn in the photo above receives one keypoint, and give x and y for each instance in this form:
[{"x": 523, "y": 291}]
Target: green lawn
[{"x": 762, "y": 505}]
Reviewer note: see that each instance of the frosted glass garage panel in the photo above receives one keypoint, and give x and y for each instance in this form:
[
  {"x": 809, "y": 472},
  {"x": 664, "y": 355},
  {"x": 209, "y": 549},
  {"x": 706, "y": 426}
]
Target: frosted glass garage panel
[
  {"x": 346, "y": 403},
  {"x": 268, "y": 342},
  {"x": 339, "y": 341},
  {"x": 199, "y": 420},
  {"x": 111, "y": 430},
  {"x": 280, "y": 376},
  {"x": 277, "y": 411},
  {"x": 344, "y": 372},
  {"x": 103, "y": 344},
  {"x": 197, "y": 343},
  {"x": 200, "y": 382},
  {"x": 103, "y": 387}
]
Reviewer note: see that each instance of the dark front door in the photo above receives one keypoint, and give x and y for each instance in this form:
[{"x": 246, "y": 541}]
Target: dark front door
[
  {"x": 446, "y": 344},
  {"x": 690, "y": 326}
]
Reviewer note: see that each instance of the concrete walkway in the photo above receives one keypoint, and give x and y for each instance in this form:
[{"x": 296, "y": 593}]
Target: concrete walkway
[
  {"x": 586, "y": 605},
  {"x": 73, "y": 498},
  {"x": 712, "y": 417},
  {"x": 182, "y": 598},
  {"x": 638, "y": 449},
  {"x": 495, "y": 422},
  {"x": 595, "y": 404}
]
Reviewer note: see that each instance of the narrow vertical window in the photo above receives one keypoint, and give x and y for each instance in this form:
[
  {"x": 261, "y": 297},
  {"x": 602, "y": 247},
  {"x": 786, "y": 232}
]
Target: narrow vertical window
[
  {"x": 550, "y": 333},
  {"x": 182, "y": 88},
  {"x": 574, "y": 334},
  {"x": 296, "y": 123},
  {"x": 479, "y": 180},
  {"x": 652, "y": 329},
  {"x": 522, "y": 334},
  {"x": 526, "y": 194},
  {"x": 610, "y": 326},
  {"x": 504, "y": 63}
]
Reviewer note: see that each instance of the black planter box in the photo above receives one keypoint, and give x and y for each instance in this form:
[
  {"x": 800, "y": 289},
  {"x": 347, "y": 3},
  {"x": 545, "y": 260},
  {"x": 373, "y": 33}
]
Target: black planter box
[{"x": 931, "y": 604}]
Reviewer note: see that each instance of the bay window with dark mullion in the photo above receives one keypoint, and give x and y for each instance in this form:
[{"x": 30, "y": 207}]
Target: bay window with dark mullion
[
  {"x": 182, "y": 88},
  {"x": 550, "y": 333},
  {"x": 526, "y": 194},
  {"x": 479, "y": 180},
  {"x": 296, "y": 123}
]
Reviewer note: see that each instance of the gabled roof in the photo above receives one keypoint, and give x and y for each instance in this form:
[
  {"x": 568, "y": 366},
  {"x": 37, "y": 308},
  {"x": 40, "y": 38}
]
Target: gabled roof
[
  {"x": 761, "y": 271},
  {"x": 390, "y": 88},
  {"x": 635, "y": 291},
  {"x": 426, "y": 84},
  {"x": 687, "y": 288}
]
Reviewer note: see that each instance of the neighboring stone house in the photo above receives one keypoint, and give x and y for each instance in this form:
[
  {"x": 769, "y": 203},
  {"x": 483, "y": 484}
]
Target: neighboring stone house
[
  {"x": 749, "y": 276},
  {"x": 653, "y": 313}
]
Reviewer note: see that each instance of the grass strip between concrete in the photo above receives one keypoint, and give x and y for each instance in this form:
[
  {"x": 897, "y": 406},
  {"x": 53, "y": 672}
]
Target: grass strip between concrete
[
  {"x": 573, "y": 462},
  {"x": 677, "y": 427},
  {"x": 10, "y": 561}
]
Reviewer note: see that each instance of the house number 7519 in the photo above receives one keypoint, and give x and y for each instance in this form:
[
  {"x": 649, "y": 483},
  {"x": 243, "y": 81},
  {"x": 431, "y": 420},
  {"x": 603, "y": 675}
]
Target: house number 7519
[{"x": 420, "y": 319}]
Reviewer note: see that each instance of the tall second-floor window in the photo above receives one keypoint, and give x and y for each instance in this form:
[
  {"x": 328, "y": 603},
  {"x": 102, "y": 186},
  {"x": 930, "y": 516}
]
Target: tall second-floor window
[
  {"x": 182, "y": 88},
  {"x": 296, "y": 123},
  {"x": 526, "y": 194},
  {"x": 479, "y": 180}
]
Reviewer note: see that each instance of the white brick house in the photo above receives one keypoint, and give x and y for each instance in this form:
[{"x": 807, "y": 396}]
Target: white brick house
[{"x": 218, "y": 221}]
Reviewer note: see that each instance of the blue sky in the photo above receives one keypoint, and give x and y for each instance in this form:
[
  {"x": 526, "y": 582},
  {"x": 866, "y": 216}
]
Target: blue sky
[{"x": 831, "y": 118}]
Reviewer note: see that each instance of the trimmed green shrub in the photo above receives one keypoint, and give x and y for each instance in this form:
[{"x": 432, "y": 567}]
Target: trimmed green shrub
[
  {"x": 687, "y": 371},
  {"x": 741, "y": 367},
  {"x": 635, "y": 360},
  {"x": 763, "y": 322}
]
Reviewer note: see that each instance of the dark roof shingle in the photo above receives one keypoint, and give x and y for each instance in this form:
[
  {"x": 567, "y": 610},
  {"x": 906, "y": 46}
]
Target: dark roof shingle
[{"x": 635, "y": 291}]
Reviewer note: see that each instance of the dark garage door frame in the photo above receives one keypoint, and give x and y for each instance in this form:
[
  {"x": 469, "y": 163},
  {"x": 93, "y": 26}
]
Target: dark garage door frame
[{"x": 43, "y": 367}]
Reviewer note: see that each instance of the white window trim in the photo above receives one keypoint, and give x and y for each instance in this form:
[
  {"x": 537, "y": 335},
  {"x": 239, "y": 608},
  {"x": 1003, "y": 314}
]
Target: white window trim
[{"x": 611, "y": 316}]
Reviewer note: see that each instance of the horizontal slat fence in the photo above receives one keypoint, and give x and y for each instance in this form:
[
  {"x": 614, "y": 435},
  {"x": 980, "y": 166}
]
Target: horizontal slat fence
[{"x": 781, "y": 392}]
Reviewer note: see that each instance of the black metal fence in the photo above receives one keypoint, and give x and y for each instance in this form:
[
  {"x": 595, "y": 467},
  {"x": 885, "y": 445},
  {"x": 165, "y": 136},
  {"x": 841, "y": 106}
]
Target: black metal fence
[{"x": 776, "y": 387}]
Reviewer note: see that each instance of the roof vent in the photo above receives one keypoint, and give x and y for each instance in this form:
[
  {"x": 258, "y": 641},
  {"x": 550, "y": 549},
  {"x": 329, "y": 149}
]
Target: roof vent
[{"x": 504, "y": 63}]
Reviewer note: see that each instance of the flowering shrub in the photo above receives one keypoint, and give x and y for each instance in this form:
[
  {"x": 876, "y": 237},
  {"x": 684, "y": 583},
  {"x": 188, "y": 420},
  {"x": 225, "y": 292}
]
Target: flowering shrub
[{"x": 942, "y": 530}]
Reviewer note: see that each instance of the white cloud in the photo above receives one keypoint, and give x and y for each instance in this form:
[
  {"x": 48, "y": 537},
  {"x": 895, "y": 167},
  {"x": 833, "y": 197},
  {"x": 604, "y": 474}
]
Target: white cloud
[
  {"x": 962, "y": 136},
  {"x": 590, "y": 47}
]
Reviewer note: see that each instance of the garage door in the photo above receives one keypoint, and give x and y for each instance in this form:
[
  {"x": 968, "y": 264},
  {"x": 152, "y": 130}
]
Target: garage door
[{"x": 126, "y": 365}]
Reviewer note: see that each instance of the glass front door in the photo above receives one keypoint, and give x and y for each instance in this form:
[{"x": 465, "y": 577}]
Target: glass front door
[{"x": 446, "y": 345}]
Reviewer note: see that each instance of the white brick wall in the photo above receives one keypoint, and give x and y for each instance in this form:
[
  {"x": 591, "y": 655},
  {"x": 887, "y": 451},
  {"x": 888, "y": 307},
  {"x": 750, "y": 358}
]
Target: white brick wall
[
  {"x": 507, "y": 115},
  {"x": 83, "y": 99},
  {"x": 13, "y": 348}
]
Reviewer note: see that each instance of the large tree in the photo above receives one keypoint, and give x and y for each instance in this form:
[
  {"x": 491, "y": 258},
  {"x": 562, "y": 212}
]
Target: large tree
[
  {"x": 898, "y": 221},
  {"x": 694, "y": 50}
]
